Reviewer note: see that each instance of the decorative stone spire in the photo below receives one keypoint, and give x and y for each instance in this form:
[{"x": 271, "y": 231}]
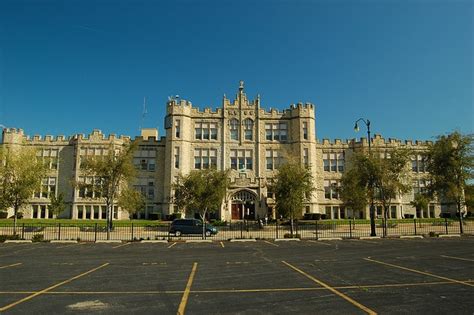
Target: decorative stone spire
[{"x": 241, "y": 86}]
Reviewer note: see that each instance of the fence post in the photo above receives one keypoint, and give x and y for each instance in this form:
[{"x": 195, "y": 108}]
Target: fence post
[
  {"x": 59, "y": 231},
  {"x": 446, "y": 224},
  {"x": 241, "y": 230},
  {"x": 414, "y": 223},
  {"x": 276, "y": 228},
  {"x": 22, "y": 231},
  {"x": 132, "y": 232},
  {"x": 95, "y": 232},
  {"x": 316, "y": 230},
  {"x": 297, "y": 229},
  {"x": 350, "y": 229}
]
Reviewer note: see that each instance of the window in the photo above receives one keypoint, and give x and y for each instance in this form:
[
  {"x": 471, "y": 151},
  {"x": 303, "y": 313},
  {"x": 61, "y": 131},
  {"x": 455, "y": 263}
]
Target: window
[
  {"x": 49, "y": 157},
  {"x": 89, "y": 187},
  {"x": 241, "y": 160},
  {"x": 393, "y": 212},
  {"x": 420, "y": 186},
  {"x": 176, "y": 157},
  {"x": 177, "y": 128},
  {"x": 305, "y": 157},
  {"x": 305, "y": 130},
  {"x": 418, "y": 164},
  {"x": 331, "y": 189},
  {"x": 234, "y": 129},
  {"x": 333, "y": 162},
  {"x": 48, "y": 188},
  {"x": 276, "y": 131},
  {"x": 205, "y": 158},
  {"x": 248, "y": 129},
  {"x": 205, "y": 131},
  {"x": 273, "y": 159}
]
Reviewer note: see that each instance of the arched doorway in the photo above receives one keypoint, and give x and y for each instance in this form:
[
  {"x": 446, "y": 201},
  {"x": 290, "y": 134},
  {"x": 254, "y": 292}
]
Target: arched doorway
[{"x": 243, "y": 205}]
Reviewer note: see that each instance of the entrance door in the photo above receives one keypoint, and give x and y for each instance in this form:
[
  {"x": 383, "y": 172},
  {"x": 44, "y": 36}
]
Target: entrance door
[{"x": 236, "y": 211}]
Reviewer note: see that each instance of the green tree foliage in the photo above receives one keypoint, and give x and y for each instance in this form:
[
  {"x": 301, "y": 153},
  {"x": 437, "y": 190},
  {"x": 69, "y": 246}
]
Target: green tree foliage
[
  {"x": 375, "y": 178},
  {"x": 20, "y": 176},
  {"x": 56, "y": 206},
  {"x": 132, "y": 201},
  {"x": 293, "y": 185},
  {"x": 201, "y": 191},
  {"x": 450, "y": 163},
  {"x": 110, "y": 173},
  {"x": 421, "y": 202}
]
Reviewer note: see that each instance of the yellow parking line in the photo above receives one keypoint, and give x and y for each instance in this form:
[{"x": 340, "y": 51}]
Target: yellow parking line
[
  {"x": 222, "y": 244},
  {"x": 420, "y": 272},
  {"x": 184, "y": 299},
  {"x": 458, "y": 258},
  {"x": 171, "y": 245},
  {"x": 122, "y": 245},
  {"x": 333, "y": 290},
  {"x": 29, "y": 297},
  {"x": 271, "y": 243},
  {"x": 12, "y": 265}
]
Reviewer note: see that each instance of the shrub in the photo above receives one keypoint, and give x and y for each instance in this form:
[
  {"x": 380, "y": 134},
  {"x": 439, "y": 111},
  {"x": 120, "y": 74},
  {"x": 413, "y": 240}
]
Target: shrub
[
  {"x": 433, "y": 234},
  {"x": 3, "y": 238},
  {"x": 37, "y": 238},
  {"x": 218, "y": 223},
  {"x": 288, "y": 235},
  {"x": 3, "y": 214}
]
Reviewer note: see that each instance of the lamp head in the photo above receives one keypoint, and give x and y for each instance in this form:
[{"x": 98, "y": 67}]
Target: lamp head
[{"x": 356, "y": 127}]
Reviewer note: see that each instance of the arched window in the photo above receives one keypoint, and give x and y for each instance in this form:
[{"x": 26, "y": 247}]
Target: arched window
[
  {"x": 234, "y": 129},
  {"x": 248, "y": 129}
]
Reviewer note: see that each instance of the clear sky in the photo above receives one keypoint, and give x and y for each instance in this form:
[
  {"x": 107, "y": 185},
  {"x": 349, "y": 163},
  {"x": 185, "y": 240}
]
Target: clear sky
[{"x": 67, "y": 67}]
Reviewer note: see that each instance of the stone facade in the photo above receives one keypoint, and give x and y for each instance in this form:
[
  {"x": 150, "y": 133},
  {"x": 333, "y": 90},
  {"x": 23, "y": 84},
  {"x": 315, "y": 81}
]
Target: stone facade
[{"x": 240, "y": 136}]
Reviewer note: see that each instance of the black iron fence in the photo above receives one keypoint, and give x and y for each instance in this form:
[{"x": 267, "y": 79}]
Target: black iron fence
[{"x": 91, "y": 232}]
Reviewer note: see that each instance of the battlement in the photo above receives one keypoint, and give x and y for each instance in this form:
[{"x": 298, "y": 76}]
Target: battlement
[{"x": 377, "y": 141}]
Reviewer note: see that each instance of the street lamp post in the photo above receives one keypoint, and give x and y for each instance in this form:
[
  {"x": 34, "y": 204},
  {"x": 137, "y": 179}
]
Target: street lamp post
[{"x": 372, "y": 207}]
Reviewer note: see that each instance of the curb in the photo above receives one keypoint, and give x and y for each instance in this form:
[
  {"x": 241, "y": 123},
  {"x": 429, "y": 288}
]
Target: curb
[
  {"x": 242, "y": 240},
  {"x": 411, "y": 236},
  {"x": 198, "y": 241},
  {"x": 63, "y": 241},
  {"x": 330, "y": 239},
  {"x": 287, "y": 239},
  {"x": 108, "y": 241},
  {"x": 449, "y": 235},
  {"x": 369, "y": 237},
  {"x": 153, "y": 241},
  {"x": 18, "y": 241}
]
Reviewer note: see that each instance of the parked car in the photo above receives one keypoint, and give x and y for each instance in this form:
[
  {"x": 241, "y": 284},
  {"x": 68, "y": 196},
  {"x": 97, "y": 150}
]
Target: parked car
[{"x": 190, "y": 226}]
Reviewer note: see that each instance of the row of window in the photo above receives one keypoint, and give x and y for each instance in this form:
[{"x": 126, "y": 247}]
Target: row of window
[
  {"x": 333, "y": 162},
  {"x": 48, "y": 188},
  {"x": 49, "y": 157},
  {"x": 145, "y": 164},
  {"x": 94, "y": 212}
]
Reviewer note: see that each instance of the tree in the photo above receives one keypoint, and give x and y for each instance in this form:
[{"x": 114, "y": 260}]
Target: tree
[
  {"x": 110, "y": 172},
  {"x": 20, "y": 176},
  {"x": 420, "y": 202},
  {"x": 378, "y": 177},
  {"x": 450, "y": 163},
  {"x": 201, "y": 191},
  {"x": 352, "y": 193},
  {"x": 292, "y": 186},
  {"x": 469, "y": 195},
  {"x": 132, "y": 201},
  {"x": 57, "y": 205}
]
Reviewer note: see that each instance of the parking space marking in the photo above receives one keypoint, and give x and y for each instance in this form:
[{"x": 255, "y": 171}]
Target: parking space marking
[
  {"x": 272, "y": 243},
  {"x": 222, "y": 244},
  {"x": 319, "y": 242},
  {"x": 184, "y": 299},
  {"x": 458, "y": 258},
  {"x": 418, "y": 271},
  {"x": 121, "y": 245},
  {"x": 29, "y": 297},
  {"x": 65, "y": 246},
  {"x": 12, "y": 265},
  {"x": 172, "y": 245},
  {"x": 333, "y": 290}
]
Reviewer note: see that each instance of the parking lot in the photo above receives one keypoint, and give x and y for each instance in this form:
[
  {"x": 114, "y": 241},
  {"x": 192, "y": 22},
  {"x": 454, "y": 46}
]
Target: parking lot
[{"x": 263, "y": 277}]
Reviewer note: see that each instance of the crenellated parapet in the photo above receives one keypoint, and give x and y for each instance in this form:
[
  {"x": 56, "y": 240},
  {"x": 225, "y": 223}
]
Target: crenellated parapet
[{"x": 377, "y": 142}]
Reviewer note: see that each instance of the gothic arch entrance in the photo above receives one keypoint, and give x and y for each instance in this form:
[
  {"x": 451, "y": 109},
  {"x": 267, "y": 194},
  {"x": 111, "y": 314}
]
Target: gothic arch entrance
[{"x": 243, "y": 205}]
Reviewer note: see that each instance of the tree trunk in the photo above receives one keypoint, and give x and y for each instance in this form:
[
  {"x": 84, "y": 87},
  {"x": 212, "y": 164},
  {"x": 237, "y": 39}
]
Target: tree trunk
[
  {"x": 203, "y": 216},
  {"x": 291, "y": 226},
  {"x": 385, "y": 217},
  {"x": 461, "y": 229},
  {"x": 15, "y": 212}
]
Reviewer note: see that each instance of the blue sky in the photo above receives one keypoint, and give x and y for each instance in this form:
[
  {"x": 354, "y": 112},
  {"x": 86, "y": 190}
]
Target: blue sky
[{"x": 67, "y": 67}]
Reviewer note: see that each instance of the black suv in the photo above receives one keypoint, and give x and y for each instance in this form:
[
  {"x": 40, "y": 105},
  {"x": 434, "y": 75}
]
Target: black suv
[{"x": 190, "y": 226}]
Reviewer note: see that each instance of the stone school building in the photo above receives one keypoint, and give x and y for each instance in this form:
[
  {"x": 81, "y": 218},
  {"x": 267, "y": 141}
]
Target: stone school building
[{"x": 241, "y": 136}]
